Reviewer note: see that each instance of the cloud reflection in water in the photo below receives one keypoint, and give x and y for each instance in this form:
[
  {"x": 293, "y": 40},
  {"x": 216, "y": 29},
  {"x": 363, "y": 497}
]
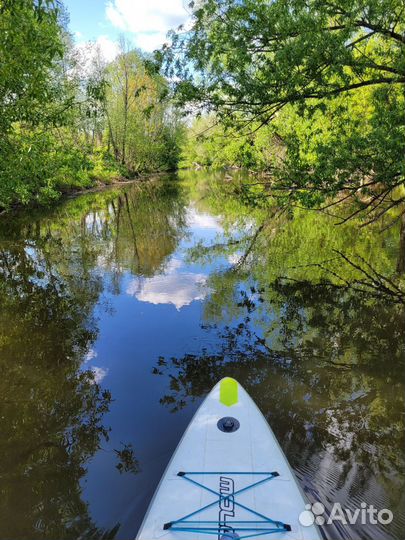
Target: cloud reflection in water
[{"x": 172, "y": 287}]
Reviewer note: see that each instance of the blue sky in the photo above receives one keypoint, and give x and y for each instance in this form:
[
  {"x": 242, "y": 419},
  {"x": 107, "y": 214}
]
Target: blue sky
[{"x": 144, "y": 22}]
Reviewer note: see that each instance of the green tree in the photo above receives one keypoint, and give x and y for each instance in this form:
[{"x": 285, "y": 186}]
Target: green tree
[
  {"x": 67, "y": 119},
  {"x": 142, "y": 129},
  {"x": 44, "y": 146},
  {"x": 335, "y": 63},
  {"x": 30, "y": 42},
  {"x": 257, "y": 56},
  {"x": 208, "y": 144}
]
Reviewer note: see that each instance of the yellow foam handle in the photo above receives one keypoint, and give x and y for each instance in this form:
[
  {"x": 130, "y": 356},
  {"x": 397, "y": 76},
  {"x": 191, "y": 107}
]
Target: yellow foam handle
[{"x": 228, "y": 392}]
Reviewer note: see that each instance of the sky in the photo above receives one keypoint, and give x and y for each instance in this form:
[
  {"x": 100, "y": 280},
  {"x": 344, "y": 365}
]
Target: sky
[{"x": 145, "y": 23}]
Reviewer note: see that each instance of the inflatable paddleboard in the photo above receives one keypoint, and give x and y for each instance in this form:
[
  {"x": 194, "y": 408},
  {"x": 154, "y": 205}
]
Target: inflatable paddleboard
[{"x": 228, "y": 478}]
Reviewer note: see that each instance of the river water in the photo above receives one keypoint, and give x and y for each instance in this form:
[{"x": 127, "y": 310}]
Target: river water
[{"x": 121, "y": 309}]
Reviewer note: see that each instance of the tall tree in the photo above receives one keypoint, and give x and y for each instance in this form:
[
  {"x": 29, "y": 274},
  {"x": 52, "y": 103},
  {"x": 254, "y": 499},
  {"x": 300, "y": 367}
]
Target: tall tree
[
  {"x": 141, "y": 123},
  {"x": 42, "y": 104},
  {"x": 53, "y": 110},
  {"x": 253, "y": 61}
]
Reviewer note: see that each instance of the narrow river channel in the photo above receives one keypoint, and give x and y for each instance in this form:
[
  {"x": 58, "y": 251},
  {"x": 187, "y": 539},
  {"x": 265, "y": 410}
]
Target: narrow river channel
[{"x": 121, "y": 309}]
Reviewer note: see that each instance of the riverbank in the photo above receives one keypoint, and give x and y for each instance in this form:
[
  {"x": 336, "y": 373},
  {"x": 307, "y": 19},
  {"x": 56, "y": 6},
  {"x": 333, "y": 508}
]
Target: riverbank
[
  {"x": 121, "y": 181},
  {"x": 73, "y": 192}
]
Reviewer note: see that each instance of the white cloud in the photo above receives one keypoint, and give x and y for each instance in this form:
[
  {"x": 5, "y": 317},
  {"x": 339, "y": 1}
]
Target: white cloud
[
  {"x": 173, "y": 265},
  {"x": 114, "y": 16},
  {"x": 150, "y": 42},
  {"x": 177, "y": 289},
  {"x": 90, "y": 355},
  {"x": 99, "y": 374},
  {"x": 149, "y": 20},
  {"x": 203, "y": 221},
  {"x": 109, "y": 49},
  {"x": 173, "y": 287}
]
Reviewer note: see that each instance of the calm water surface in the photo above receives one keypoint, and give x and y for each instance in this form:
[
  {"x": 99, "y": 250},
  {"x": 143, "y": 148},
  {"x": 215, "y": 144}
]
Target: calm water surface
[{"x": 120, "y": 310}]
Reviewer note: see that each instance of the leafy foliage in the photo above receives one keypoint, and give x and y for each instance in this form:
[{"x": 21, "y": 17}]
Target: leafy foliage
[
  {"x": 209, "y": 144},
  {"x": 143, "y": 130},
  {"x": 61, "y": 110},
  {"x": 256, "y": 56},
  {"x": 30, "y": 43},
  {"x": 325, "y": 79}
]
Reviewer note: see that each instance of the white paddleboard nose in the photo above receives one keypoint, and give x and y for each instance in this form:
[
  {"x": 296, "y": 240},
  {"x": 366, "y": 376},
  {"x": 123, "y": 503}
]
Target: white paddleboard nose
[{"x": 228, "y": 478}]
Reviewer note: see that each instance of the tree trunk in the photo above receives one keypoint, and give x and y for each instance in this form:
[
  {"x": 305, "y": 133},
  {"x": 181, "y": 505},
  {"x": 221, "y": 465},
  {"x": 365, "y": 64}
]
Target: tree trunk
[
  {"x": 111, "y": 138},
  {"x": 124, "y": 135},
  {"x": 401, "y": 256}
]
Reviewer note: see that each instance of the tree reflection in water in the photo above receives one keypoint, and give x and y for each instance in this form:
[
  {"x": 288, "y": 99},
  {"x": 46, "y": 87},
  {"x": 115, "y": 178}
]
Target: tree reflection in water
[
  {"x": 52, "y": 407},
  {"x": 314, "y": 358},
  {"x": 51, "y": 421}
]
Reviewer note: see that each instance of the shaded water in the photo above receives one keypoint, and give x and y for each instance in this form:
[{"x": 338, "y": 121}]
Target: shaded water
[{"x": 120, "y": 310}]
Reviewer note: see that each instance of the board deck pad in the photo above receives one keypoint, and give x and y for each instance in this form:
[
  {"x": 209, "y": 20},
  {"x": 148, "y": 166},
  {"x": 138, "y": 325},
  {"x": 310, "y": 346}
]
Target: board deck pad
[{"x": 227, "y": 483}]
